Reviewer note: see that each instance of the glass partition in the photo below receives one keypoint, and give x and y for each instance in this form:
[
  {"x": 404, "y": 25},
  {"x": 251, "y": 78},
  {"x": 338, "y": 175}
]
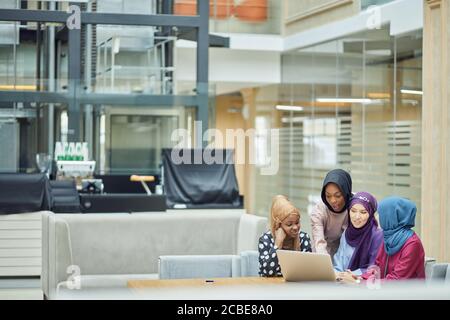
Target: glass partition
[{"x": 352, "y": 103}]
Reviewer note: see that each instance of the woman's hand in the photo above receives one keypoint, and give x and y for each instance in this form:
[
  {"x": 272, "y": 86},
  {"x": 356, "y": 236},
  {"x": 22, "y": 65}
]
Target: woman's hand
[
  {"x": 347, "y": 277},
  {"x": 280, "y": 235}
]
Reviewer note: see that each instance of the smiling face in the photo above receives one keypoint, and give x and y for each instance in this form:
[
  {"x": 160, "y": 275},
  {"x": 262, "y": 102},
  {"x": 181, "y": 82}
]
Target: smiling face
[
  {"x": 358, "y": 215},
  {"x": 291, "y": 225},
  {"x": 334, "y": 197}
]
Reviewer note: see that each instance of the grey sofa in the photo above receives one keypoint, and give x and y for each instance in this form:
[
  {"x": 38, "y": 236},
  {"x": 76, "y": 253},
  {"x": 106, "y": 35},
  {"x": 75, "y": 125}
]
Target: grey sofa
[{"x": 85, "y": 253}]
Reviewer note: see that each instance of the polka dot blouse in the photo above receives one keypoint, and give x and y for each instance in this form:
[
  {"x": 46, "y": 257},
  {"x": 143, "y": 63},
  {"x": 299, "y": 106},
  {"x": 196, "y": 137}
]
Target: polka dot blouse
[{"x": 268, "y": 260}]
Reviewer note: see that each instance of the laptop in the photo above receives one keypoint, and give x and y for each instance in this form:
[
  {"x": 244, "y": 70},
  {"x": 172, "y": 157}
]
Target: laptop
[{"x": 305, "y": 266}]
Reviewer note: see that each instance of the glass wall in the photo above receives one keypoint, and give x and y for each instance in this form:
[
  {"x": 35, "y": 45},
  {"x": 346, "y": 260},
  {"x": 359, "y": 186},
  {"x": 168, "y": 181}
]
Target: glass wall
[
  {"x": 357, "y": 106},
  {"x": 127, "y": 61}
]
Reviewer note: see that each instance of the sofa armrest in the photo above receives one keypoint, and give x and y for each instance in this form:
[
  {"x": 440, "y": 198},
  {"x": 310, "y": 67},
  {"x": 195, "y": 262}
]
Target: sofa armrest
[
  {"x": 251, "y": 227},
  {"x": 56, "y": 253},
  {"x": 45, "y": 252}
]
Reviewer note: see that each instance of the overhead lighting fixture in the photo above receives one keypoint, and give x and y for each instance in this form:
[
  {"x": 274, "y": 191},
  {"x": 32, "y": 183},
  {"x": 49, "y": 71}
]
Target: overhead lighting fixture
[
  {"x": 18, "y": 87},
  {"x": 345, "y": 100},
  {"x": 378, "y": 95},
  {"x": 409, "y": 91},
  {"x": 289, "y": 108}
]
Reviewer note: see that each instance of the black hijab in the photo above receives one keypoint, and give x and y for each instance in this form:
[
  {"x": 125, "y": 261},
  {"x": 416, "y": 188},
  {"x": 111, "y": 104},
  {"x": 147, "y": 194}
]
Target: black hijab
[{"x": 343, "y": 180}]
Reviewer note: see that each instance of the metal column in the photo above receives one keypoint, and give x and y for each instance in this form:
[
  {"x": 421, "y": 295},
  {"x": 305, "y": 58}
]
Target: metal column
[
  {"x": 202, "y": 70},
  {"x": 88, "y": 108},
  {"x": 51, "y": 84},
  {"x": 74, "y": 114}
]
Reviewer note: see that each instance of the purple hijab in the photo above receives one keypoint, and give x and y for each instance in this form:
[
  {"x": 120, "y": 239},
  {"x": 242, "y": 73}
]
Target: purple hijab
[{"x": 361, "y": 239}]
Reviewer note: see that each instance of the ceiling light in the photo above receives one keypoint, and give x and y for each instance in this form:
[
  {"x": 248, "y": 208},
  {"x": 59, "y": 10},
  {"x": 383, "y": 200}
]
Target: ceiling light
[
  {"x": 18, "y": 87},
  {"x": 345, "y": 100},
  {"x": 289, "y": 108},
  {"x": 409, "y": 91}
]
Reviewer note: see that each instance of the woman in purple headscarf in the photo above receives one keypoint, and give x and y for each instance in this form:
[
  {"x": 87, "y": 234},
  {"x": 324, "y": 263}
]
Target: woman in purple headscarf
[{"x": 361, "y": 240}]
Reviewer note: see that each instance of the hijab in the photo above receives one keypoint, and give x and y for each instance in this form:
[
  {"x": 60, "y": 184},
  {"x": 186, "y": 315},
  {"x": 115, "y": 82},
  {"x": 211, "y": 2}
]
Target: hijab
[
  {"x": 281, "y": 209},
  {"x": 397, "y": 217},
  {"x": 343, "y": 180},
  {"x": 361, "y": 238}
]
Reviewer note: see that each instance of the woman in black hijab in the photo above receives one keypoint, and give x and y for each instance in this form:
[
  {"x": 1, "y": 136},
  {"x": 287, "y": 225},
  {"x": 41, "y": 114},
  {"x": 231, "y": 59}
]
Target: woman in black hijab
[{"x": 329, "y": 218}]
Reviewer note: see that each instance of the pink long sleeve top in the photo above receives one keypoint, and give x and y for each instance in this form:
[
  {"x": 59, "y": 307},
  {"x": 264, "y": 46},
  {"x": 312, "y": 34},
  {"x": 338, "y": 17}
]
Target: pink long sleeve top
[
  {"x": 327, "y": 228},
  {"x": 407, "y": 263}
]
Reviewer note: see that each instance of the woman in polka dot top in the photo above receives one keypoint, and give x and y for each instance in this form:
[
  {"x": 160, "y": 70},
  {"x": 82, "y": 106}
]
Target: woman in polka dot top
[{"x": 284, "y": 234}]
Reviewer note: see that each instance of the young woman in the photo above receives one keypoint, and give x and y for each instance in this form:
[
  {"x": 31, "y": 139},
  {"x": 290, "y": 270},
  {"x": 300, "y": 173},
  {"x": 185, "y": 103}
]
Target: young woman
[
  {"x": 284, "y": 234},
  {"x": 361, "y": 240},
  {"x": 329, "y": 218},
  {"x": 401, "y": 255}
]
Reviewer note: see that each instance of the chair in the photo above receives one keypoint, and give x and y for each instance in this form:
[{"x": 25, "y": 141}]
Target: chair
[
  {"x": 439, "y": 271},
  {"x": 24, "y": 192},
  {"x": 447, "y": 276},
  {"x": 64, "y": 196},
  {"x": 199, "y": 266},
  {"x": 429, "y": 262},
  {"x": 143, "y": 180}
]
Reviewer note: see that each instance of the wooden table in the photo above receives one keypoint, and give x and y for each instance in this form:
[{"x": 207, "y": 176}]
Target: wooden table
[
  {"x": 256, "y": 288},
  {"x": 199, "y": 283}
]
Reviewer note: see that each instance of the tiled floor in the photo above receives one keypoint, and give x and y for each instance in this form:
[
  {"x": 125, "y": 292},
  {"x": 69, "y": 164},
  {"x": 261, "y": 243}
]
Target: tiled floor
[{"x": 20, "y": 289}]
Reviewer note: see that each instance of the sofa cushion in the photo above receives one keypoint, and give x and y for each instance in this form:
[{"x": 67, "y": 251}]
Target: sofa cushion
[
  {"x": 250, "y": 263},
  {"x": 192, "y": 267}
]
